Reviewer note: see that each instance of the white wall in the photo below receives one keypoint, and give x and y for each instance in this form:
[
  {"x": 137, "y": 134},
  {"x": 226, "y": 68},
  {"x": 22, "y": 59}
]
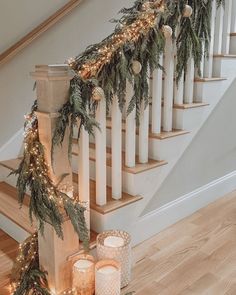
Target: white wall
[
  {"x": 17, "y": 18},
  {"x": 211, "y": 155},
  {"x": 87, "y": 24}
]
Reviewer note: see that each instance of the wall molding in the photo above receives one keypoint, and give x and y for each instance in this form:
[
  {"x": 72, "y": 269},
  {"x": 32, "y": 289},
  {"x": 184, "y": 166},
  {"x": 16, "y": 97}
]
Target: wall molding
[
  {"x": 167, "y": 215},
  {"x": 12, "y": 148}
]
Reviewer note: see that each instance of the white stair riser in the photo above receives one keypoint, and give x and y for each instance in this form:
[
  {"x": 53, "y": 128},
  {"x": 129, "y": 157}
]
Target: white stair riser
[
  {"x": 188, "y": 119},
  {"x": 232, "y": 49},
  {"x": 132, "y": 184},
  {"x": 12, "y": 229},
  {"x": 225, "y": 67},
  {"x": 163, "y": 149},
  {"x": 205, "y": 91},
  {"x": 10, "y": 179}
]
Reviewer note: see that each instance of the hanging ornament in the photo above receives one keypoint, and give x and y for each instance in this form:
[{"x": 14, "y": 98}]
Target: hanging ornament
[
  {"x": 188, "y": 11},
  {"x": 136, "y": 67},
  {"x": 167, "y": 31},
  {"x": 98, "y": 94}
]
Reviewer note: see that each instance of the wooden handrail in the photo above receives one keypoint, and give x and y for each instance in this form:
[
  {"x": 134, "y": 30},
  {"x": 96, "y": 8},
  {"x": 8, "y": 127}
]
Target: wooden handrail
[{"x": 38, "y": 31}]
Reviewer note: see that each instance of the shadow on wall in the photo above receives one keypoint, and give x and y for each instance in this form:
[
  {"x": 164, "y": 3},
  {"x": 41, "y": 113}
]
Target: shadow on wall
[{"x": 211, "y": 155}]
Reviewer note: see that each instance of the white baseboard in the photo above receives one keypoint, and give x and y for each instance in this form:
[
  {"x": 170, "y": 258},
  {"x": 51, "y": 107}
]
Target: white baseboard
[
  {"x": 167, "y": 215},
  {"x": 12, "y": 148}
]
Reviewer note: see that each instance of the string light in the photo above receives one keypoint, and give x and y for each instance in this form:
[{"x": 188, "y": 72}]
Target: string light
[{"x": 128, "y": 33}]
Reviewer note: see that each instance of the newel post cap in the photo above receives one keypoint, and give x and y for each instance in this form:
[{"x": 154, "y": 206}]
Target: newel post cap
[{"x": 52, "y": 72}]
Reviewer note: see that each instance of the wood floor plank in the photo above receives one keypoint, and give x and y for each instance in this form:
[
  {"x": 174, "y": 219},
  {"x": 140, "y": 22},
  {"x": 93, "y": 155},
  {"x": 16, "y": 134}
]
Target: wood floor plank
[
  {"x": 8, "y": 253},
  {"x": 196, "y": 256}
]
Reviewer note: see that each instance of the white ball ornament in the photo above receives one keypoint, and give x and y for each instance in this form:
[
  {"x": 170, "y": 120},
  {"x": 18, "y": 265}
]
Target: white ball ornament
[
  {"x": 136, "y": 67},
  {"x": 98, "y": 94},
  {"x": 167, "y": 31},
  {"x": 188, "y": 11}
]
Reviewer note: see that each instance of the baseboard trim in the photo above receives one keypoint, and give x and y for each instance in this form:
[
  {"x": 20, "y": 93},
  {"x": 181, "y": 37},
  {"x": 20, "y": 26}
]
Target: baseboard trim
[
  {"x": 167, "y": 215},
  {"x": 12, "y": 148}
]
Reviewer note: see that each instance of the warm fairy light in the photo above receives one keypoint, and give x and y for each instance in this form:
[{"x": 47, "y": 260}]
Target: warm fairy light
[
  {"x": 25, "y": 262},
  {"x": 128, "y": 33},
  {"x": 70, "y": 292}
]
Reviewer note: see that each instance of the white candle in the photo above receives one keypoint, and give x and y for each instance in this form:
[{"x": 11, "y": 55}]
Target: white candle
[
  {"x": 84, "y": 275},
  {"x": 108, "y": 269},
  {"x": 83, "y": 264},
  {"x": 107, "y": 278},
  {"x": 113, "y": 241}
]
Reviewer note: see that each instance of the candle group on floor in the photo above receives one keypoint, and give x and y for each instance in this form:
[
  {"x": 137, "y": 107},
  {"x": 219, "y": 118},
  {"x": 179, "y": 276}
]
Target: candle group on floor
[{"x": 110, "y": 273}]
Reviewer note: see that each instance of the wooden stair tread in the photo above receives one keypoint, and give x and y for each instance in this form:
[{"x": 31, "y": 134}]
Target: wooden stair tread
[
  {"x": 233, "y": 34},
  {"x": 163, "y": 135},
  {"x": 11, "y": 208},
  {"x": 187, "y": 106},
  {"x": 225, "y": 55},
  {"x": 139, "y": 167},
  {"x": 8, "y": 253},
  {"x": 168, "y": 134},
  {"x": 112, "y": 204},
  {"x": 109, "y": 207},
  {"x": 210, "y": 79}
]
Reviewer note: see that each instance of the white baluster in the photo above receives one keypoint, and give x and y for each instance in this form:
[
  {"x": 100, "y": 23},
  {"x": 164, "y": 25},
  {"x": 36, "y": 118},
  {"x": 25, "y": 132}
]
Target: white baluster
[
  {"x": 156, "y": 89},
  {"x": 227, "y": 27},
  {"x": 116, "y": 136},
  {"x": 143, "y": 133},
  {"x": 168, "y": 85},
  {"x": 219, "y": 30},
  {"x": 189, "y": 82},
  {"x": 202, "y": 64},
  {"x": 179, "y": 91},
  {"x": 233, "y": 21},
  {"x": 208, "y": 67},
  {"x": 83, "y": 173},
  {"x": 130, "y": 134},
  {"x": 100, "y": 137},
  {"x": 178, "y": 85}
]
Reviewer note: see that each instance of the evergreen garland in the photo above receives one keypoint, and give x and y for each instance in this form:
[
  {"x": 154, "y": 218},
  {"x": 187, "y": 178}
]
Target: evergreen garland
[
  {"x": 27, "y": 278},
  {"x": 47, "y": 203},
  {"x": 111, "y": 70}
]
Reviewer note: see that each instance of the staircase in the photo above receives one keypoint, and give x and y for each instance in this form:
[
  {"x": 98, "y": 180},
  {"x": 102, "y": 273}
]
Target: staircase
[
  {"x": 136, "y": 160},
  {"x": 120, "y": 178}
]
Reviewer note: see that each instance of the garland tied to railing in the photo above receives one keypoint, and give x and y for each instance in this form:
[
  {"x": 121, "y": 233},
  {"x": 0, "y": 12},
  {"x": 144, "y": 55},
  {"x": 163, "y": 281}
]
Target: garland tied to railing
[
  {"x": 131, "y": 54},
  {"x": 47, "y": 203}
]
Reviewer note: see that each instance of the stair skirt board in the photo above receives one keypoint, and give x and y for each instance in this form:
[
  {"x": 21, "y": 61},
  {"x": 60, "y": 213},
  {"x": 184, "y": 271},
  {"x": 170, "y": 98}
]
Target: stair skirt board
[
  {"x": 12, "y": 229},
  {"x": 154, "y": 222}
]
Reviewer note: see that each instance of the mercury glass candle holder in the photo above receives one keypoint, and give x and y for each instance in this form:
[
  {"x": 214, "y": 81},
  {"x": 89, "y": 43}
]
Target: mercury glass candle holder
[
  {"x": 116, "y": 245},
  {"x": 107, "y": 277},
  {"x": 84, "y": 275}
]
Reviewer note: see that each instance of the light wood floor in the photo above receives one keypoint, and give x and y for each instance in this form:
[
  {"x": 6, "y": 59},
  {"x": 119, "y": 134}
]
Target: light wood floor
[
  {"x": 8, "y": 252},
  {"x": 195, "y": 256}
]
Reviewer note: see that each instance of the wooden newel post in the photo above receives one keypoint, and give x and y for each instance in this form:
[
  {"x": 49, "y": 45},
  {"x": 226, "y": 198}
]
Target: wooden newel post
[{"x": 52, "y": 86}]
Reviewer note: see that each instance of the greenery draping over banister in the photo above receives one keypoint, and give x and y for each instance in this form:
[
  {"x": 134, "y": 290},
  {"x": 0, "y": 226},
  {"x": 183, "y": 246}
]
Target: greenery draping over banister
[{"x": 139, "y": 36}]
